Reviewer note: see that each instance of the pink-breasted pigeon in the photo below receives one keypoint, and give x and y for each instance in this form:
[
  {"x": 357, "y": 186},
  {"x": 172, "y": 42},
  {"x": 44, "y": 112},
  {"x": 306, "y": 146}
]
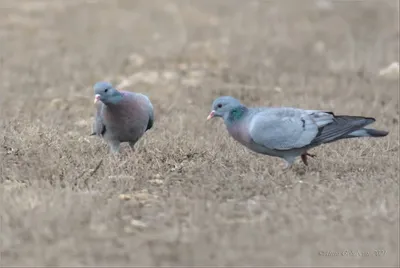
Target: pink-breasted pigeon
[
  {"x": 286, "y": 132},
  {"x": 121, "y": 116}
]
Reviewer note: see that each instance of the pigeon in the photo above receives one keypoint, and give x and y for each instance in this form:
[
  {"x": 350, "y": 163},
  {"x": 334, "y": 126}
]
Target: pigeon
[
  {"x": 287, "y": 132},
  {"x": 121, "y": 116}
]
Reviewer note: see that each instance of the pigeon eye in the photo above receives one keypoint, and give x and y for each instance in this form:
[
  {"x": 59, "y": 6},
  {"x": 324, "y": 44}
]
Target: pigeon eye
[
  {"x": 219, "y": 105},
  {"x": 106, "y": 90}
]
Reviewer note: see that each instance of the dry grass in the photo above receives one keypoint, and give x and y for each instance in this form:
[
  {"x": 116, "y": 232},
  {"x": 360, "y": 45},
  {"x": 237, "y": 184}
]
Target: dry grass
[{"x": 192, "y": 195}]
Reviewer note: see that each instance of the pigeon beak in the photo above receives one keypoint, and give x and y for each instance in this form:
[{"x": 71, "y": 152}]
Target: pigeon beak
[
  {"x": 96, "y": 98},
  {"x": 211, "y": 115}
]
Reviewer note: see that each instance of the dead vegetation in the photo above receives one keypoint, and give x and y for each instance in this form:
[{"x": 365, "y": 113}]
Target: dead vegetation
[{"x": 190, "y": 195}]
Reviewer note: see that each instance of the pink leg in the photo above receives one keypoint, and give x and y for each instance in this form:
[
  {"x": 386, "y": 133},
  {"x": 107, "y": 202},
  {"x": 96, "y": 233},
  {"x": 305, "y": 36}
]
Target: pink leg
[{"x": 304, "y": 157}]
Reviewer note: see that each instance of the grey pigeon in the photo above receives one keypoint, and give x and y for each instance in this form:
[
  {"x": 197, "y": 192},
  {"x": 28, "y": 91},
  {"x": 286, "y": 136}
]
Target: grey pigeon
[
  {"x": 288, "y": 132},
  {"x": 121, "y": 116}
]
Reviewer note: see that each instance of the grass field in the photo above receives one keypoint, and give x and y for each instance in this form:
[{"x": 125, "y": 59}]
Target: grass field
[{"x": 191, "y": 195}]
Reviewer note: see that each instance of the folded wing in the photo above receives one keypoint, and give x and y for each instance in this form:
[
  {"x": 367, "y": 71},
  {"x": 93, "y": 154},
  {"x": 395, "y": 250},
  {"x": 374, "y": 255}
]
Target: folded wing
[{"x": 287, "y": 128}]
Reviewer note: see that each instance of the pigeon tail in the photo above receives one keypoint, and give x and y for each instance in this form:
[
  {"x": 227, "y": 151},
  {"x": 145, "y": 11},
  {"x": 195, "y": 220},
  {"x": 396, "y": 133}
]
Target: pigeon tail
[
  {"x": 367, "y": 132},
  {"x": 344, "y": 126}
]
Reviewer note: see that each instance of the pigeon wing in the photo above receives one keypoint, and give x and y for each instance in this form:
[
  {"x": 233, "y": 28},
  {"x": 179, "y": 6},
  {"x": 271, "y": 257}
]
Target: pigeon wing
[{"x": 287, "y": 128}]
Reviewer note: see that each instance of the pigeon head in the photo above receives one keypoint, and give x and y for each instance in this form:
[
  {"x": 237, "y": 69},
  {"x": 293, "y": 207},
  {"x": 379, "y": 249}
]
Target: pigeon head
[
  {"x": 106, "y": 93},
  {"x": 223, "y": 107}
]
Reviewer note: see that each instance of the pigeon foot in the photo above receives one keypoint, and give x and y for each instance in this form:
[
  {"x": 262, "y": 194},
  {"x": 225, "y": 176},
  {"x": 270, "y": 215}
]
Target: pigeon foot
[{"x": 304, "y": 157}]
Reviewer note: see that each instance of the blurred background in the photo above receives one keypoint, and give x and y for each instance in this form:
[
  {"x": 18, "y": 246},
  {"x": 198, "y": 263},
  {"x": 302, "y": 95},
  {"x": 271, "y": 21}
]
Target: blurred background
[{"x": 191, "y": 196}]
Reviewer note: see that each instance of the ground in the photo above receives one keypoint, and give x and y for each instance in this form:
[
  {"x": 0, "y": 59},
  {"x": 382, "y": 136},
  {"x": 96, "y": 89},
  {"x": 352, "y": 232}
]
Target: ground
[{"x": 190, "y": 195}]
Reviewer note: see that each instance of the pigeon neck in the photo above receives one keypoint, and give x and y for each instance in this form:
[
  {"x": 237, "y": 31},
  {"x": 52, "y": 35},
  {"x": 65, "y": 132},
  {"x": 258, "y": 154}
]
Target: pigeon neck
[
  {"x": 236, "y": 114},
  {"x": 116, "y": 98}
]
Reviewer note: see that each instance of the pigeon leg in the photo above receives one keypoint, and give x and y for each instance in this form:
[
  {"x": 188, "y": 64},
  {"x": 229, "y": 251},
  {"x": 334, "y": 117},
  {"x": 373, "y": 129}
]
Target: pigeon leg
[
  {"x": 132, "y": 145},
  {"x": 114, "y": 146},
  {"x": 288, "y": 163},
  {"x": 304, "y": 157}
]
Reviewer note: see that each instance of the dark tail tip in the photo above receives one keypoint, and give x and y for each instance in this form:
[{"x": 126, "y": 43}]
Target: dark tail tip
[
  {"x": 376, "y": 133},
  {"x": 370, "y": 120}
]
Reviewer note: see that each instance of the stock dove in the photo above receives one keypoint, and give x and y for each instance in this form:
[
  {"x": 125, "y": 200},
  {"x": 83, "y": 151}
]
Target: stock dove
[
  {"x": 286, "y": 132},
  {"x": 121, "y": 116}
]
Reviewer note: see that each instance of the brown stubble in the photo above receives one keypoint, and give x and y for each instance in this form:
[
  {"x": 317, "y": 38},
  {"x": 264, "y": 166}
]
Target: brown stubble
[{"x": 190, "y": 195}]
